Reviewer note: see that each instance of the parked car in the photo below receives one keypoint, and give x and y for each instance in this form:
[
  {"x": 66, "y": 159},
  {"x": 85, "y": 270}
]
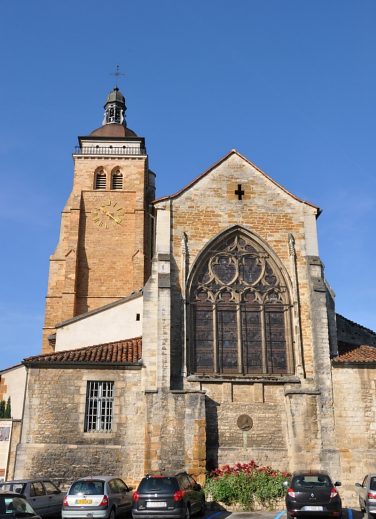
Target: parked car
[
  {"x": 312, "y": 493},
  {"x": 175, "y": 495},
  {"x": 13, "y": 504},
  {"x": 97, "y": 497},
  {"x": 367, "y": 495},
  {"x": 43, "y": 495}
]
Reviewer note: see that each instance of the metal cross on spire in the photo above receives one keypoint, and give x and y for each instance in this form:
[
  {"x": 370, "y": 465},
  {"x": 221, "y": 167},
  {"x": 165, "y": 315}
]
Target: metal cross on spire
[{"x": 117, "y": 74}]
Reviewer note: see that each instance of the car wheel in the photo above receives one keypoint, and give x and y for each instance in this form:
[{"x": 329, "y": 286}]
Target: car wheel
[
  {"x": 361, "y": 506},
  {"x": 203, "y": 507},
  {"x": 112, "y": 514},
  {"x": 187, "y": 513}
]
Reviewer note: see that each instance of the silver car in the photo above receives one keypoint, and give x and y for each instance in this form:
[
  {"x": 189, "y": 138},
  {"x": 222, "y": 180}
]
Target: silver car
[
  {"x": 97, "y": 497},
  {"x": 367, "y": 495},
  {"x": 43, "y": 495}
]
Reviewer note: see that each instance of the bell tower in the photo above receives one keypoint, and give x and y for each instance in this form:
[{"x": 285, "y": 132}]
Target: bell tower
[{"x": 104, "y": 249}]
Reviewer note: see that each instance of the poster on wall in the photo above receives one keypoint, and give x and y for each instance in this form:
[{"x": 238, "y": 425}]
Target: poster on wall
[{"x": 4, "y": 434}]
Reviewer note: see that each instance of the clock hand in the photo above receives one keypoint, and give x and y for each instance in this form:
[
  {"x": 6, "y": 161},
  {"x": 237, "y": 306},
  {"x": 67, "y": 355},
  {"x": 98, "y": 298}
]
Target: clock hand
[{"x": 110, "y": 215}]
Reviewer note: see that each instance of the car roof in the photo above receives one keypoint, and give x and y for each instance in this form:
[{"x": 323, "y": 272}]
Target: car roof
[
  {"x": 310, "y": 473},
  {"x": 101, "y": 478},
  {"x": 12, "y": 481},
  {"x": 165, "y": 474},
  {"x": 10, "y": 494}
]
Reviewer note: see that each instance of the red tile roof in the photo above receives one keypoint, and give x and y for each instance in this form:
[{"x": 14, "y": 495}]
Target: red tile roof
[
  {"x": 128, "y": 351},
  {"x": 350, "y": 353}
]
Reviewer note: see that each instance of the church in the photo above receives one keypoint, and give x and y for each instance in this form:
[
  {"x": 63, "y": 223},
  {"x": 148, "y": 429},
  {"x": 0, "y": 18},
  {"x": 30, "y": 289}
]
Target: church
[{"x": 189, "y": 331}]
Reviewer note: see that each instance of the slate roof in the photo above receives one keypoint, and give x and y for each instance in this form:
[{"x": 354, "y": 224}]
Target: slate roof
[
  {"x": 125, "y": 352},
  {"x": 350, "y": 353}
]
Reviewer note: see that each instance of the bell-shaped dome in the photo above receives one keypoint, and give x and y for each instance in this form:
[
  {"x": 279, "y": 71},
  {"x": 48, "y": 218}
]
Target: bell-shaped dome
[{"x": 115, "y": 96}]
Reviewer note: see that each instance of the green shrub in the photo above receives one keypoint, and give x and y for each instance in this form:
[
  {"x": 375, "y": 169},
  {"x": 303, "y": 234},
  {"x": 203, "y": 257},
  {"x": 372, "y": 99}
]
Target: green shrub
[{"x": 245, "y": 485}]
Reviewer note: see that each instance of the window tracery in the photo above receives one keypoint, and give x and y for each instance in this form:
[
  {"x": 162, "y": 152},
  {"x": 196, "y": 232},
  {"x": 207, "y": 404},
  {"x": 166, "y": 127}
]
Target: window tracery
[{"x": 239, "y": 311}]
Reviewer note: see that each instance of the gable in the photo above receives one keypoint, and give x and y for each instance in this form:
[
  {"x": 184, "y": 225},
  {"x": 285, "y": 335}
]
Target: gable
[{"x": 239, "y": 179}]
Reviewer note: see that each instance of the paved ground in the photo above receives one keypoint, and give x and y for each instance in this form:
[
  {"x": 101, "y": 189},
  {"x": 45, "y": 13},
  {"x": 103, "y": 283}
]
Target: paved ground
[{"x": 348, "y": 513}]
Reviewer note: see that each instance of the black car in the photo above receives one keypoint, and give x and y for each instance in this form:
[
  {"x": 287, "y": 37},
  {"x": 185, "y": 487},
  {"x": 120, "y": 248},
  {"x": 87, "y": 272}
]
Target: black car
[
  {"x": 175, "y": 495},
  {"x": 312, "y": 493},
  {"x": 14, "y": 505}
]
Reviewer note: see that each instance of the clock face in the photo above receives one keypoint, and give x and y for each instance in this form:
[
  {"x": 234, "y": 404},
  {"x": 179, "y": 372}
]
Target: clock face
[{"x": 108, "y": 214}]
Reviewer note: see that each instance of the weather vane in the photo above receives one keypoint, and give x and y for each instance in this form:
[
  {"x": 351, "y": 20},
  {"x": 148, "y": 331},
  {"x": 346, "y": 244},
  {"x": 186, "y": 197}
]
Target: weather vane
[{"x": 117, "y": 74}]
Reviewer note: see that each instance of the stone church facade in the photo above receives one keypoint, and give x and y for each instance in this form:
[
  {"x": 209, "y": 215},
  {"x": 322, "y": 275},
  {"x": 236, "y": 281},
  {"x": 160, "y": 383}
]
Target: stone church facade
[{"x": 192, "y": 330}]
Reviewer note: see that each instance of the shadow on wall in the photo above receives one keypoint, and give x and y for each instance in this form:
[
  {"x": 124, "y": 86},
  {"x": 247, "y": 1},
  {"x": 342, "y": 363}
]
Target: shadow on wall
[{"x": 212, "y": 437}]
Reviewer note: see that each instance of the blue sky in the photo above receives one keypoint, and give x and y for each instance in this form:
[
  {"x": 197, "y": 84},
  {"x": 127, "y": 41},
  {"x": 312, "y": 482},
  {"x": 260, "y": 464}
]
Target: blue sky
[{"x": 290, "y": 84}]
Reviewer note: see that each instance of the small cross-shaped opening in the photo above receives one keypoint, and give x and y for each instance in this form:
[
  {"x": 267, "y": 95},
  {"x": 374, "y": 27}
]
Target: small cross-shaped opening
[{"x": 239, "y": 192}]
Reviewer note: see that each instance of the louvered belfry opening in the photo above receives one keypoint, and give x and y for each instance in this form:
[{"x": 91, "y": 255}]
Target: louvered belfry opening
[
  {"x": 239, "y": 311},
  {"x": 117, "y": 180},
  {"x": 100, "y": 180}
]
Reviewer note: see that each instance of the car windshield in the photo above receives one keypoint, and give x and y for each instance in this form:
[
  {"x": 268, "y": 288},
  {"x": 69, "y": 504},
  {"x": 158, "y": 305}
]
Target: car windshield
[
  {"x": 155, "y": 485},
  {"x": 14, "y": 506},
  {"x": 302, "y": 482},
  {"x": 92, "y": 487},
  {"x": 13, "y": 487}
]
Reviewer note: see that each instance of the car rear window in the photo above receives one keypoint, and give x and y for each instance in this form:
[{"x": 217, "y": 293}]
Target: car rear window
[
  {"x": 302, "y": 482},
  {"x": 372, "y": 484},
  {"x": 155, "y": 485},
  {"x": 92, "y": 487}
]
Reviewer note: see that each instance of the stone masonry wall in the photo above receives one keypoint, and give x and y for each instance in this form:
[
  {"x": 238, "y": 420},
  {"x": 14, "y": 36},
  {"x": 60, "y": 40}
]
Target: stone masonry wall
[
  {"x": 97, "y": 259},
  {"x": 211, "y": 206},
  {"x": 355, "y": 415},
  {"x": 280, "y": 419},
  {"x": 55, "y": 445},
  {"x": 175, "y": 431},
  {"x": 265, "y": 442}
]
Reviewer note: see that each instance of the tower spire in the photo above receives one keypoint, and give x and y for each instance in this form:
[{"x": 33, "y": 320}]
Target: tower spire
[{"x": 115, "y": 106}]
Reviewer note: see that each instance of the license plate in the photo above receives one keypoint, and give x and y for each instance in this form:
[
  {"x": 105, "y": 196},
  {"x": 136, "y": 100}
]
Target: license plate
[
  {"x": 156, "y": 504},
  {"x": 312, "y": 509},
  {"x": 84, "y": 501}
]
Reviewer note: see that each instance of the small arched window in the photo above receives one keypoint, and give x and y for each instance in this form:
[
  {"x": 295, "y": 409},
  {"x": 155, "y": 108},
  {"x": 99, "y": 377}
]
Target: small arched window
[
  {"x": 100, "y": 180},
  {"x": 117, "y": 180},
  {"x": 239, "y": 311}
]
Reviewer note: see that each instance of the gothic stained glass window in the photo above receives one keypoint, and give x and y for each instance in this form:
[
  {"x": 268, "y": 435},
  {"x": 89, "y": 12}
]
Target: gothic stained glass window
[{"x": 240, "y": 311}]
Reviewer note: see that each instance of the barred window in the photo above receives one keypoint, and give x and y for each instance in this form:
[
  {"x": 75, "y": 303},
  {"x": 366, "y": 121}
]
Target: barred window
[
  {"x": 117, "y": 180},
  {"x": 100, "y": 180},
  {"x": 99, "y": 406},
  {"x": 239, "y": 311}
]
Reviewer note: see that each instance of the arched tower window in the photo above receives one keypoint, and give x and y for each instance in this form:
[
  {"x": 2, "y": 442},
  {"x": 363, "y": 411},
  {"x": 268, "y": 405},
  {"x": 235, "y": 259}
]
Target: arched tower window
[
  {"x": 239, "y": 311},
  {"x": 100, "y": 180},
  {"x": 117, "y": 180}
]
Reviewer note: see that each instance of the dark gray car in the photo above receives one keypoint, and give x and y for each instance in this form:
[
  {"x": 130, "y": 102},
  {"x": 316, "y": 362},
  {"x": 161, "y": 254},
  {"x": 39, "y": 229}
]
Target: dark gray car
[
  {"x": 43, "y": 495},
  {"x": 367, "y": 495},
  {"x": 313, "y": 493}
]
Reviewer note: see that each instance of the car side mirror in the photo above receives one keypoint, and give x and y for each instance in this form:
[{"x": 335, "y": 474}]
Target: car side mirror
[
  {"x": 197, "y": 487},
  {"x": 358, "y": 485},
  {"x": 130, "y": 489},
  {"x": 337, "y": 484}
]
